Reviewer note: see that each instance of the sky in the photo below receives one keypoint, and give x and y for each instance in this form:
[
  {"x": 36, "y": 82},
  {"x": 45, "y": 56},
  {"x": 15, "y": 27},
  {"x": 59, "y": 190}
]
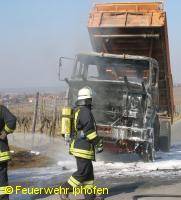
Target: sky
[{"x": 35, "y": 33}]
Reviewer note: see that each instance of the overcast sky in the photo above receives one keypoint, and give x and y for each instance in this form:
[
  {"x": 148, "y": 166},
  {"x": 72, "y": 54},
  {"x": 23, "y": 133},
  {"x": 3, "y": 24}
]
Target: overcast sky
[{"x": 34, "y": 33}]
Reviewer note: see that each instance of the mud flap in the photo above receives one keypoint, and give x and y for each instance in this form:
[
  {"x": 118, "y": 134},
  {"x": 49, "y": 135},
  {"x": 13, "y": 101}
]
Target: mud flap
[
  {"x": 148, "y": 153},
  {"x": 165, "y": 135},
  {"x": 156, "y": 127}
]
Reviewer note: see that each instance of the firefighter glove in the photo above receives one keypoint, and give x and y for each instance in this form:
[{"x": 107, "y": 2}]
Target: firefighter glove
[
  {"x": 99, "y": 146},
  {"x": 3, "y": 135}
]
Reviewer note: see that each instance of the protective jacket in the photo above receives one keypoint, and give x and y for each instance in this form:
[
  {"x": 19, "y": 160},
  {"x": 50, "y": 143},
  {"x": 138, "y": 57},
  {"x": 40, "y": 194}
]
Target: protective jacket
[
  {"x": 7, "y": 124},
  {"x": 84, "y": 135}
]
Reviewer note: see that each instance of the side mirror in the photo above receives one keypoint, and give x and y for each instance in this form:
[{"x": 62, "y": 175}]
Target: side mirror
[{"x": 60, "y": 67}]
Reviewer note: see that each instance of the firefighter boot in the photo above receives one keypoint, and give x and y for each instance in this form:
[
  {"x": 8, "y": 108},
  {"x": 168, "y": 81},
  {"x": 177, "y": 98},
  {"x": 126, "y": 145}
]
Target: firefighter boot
[
  {"x": 93, "y": 197},
  {"x": 99, "y": 198},
  {"x": 66, "y": 189},
  {"x": 64, "y": 197}
]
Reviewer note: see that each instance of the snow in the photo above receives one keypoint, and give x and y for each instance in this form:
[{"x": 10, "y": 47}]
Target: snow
[
  {"x": 135, "y": 139},
  {"x": 166, "y": 165},
  {"x": 170, "y": 162},
  {"x": 107, "y": 165},
  {"x": 67, "y": 165},
  {"x": 35, "y": 152}
]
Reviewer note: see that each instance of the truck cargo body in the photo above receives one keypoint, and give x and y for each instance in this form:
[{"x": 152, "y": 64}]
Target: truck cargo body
[{"x": 135, "y": 29}]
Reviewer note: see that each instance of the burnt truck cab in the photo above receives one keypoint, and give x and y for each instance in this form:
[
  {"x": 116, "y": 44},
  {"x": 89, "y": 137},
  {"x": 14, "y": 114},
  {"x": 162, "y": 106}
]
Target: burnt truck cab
[{"x": 125, "y": 99}]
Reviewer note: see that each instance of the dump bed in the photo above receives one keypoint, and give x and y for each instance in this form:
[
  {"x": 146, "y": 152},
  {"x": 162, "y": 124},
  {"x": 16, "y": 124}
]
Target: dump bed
[{"x": 135, "y": 29}]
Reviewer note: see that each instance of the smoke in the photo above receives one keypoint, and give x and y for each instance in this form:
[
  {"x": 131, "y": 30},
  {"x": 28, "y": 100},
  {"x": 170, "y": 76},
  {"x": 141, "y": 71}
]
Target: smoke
[{"x": 53, "y": 148}]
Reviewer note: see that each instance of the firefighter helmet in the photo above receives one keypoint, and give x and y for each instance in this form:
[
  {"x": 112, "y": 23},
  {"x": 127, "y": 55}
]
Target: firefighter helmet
[
  {"x": 85, "y": 93},
  {"x": 84, "y": 96}
]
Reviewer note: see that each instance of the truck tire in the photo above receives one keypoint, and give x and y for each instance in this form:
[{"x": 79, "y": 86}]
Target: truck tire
[
  {"x": 165, "y": 135},
  {"x": 156, "y": 128}
]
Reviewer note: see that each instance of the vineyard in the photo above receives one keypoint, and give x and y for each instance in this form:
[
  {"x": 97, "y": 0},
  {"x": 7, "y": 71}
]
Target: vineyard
[{"x": 42, "y": 114}]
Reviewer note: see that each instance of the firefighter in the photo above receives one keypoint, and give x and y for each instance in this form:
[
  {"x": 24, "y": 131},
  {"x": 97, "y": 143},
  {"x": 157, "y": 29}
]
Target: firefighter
[
  {"x": 7, "y": 126},
  {"x": 84, "y": 141}
]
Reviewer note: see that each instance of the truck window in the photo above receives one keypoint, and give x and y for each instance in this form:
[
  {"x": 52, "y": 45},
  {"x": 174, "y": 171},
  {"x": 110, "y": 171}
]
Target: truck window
[
  {"x": 79, "y": 70},
  {"x": 108, "y": 73},
  {"x": 118, "y": 72},
  {"x": 154, "y": 76},
  {"x": 92, "y": 72},
  {"x": 107, "y": 68}
]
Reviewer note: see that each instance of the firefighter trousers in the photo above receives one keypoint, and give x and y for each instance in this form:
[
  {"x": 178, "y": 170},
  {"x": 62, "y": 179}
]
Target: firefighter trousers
[
  {"x": 3, "y": 180},
  {"x": 84, "y": 176}
]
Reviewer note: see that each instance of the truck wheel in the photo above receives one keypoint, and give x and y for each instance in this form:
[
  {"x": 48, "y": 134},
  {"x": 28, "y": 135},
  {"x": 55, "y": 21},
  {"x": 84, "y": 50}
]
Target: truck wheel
[
  {"x": 165, "y": 135},
  {"x": 156, "y": 128}
]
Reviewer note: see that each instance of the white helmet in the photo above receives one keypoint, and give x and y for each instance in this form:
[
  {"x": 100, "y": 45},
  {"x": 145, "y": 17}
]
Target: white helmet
[{"x": 84, "y": 93}]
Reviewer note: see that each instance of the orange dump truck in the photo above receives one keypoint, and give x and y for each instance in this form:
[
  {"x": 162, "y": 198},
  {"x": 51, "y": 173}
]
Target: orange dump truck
[
  {"x": 130, "y": 75},
  {"x": 135, "y": 29}
]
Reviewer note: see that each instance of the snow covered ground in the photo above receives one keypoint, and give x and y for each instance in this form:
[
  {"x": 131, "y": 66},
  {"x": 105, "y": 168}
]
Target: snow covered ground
[
  {"x": 109, "y": 165},
  {"x": 165, "y": 162}
]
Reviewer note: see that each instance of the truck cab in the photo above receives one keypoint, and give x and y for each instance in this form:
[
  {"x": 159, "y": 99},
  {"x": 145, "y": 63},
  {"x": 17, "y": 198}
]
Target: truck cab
[{"x": 125, "y": 98}]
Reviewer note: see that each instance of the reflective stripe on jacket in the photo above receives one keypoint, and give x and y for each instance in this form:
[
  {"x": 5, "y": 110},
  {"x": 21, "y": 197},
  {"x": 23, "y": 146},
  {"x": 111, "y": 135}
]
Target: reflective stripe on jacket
[
  {"x": 3, "y": 190},
  {"x": 84, "y": 134},
  {"x": 5, "y": 156},
  {"x": 7, "y": 124},
  {"x": 82, "y": 153}
]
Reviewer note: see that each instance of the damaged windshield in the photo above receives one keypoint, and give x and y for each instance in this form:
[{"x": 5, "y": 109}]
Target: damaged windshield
[{"x": 104, "y": 68}]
